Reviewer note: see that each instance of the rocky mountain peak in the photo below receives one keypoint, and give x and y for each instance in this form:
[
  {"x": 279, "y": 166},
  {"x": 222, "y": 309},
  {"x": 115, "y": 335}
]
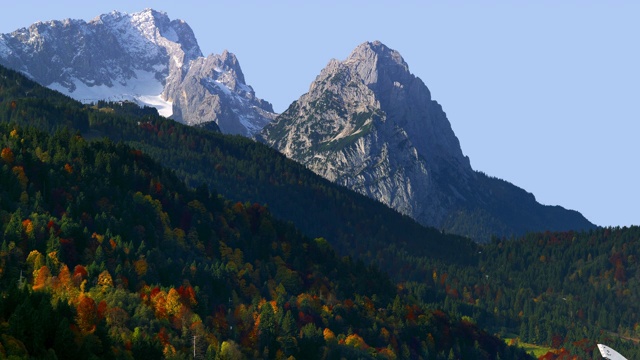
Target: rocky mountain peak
[
  {"x": 144, "y": 57},
  {"x": 146, "y": 30},
  {"x": 230, "y": 63},
  {"x": 373, "y": 59},
  {"x": 369, "y": 124},
  {"x": 219, "y": 93},
  {"x": 405, "y": 100}
]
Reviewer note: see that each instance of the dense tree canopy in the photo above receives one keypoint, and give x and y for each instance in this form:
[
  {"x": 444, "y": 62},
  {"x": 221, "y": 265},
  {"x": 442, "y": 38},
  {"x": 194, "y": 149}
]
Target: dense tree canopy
[
  {"x": 156, "y": 264},
  {"x": 128, "y": 258}
]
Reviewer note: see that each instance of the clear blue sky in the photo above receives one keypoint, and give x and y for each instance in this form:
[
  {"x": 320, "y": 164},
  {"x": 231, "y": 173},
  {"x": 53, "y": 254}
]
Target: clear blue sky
[{"x": 544, "y": 94}]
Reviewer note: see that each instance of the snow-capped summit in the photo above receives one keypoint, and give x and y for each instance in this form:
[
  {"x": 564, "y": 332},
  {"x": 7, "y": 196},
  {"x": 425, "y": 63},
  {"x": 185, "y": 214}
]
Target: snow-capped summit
[
  {"x": 147, "y": 33},
  {"x": 144, "y": 57}
]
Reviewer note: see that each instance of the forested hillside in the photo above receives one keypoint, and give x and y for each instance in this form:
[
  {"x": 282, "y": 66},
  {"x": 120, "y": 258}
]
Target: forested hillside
[
  {"x": 105, "y": 253},
  {"x": 567, "y": 290},
  {"x": 73, "y": 193},
  {"x": 237, "y": 168}
]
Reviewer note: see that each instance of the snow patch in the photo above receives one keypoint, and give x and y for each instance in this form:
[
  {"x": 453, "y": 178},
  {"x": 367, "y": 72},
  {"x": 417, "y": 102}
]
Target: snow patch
[
  {"x": 159, "y": 67},
  {"x": 165, "y": 108},
  {"x": 222, "y": 87},
  {"x": 144, "y": 89}
]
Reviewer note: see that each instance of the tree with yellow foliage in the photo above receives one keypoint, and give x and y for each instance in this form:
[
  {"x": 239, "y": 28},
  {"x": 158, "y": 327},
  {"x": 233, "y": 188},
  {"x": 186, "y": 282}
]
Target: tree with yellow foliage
[
  {"x": 173, "y": 303},
  {"x": 356, "y": 341},
  {"x": 105, "y": 280},
  {"x": 36, "y": 260}
]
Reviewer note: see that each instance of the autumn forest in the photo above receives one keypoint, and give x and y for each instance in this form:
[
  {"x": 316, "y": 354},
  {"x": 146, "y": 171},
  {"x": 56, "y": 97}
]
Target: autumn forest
[{"x": 125, "y": 235}]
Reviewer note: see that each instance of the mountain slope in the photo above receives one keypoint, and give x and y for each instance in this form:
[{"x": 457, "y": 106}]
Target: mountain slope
[
  {"x": 508, "y": 287},
  {"x": 144, "y": 57},
  {"x": 565, "y": 290},
  {"x": 241, "y": 170},
  {"x": 369, "y": 124},
  {"x": 106, "y": 254}
]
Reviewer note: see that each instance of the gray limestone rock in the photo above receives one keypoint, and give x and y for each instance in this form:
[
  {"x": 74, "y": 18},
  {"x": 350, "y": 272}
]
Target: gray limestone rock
[
  {"x": 145, "y": 57},
  {"x": 369, "y": 124},
  {"x": 214, "y": 90}
]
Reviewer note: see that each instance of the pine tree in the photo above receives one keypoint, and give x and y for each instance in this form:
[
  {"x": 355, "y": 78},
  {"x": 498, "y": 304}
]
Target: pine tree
[{"x": 267, "y": 327}]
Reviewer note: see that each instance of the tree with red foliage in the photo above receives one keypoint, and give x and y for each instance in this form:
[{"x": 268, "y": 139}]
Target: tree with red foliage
[
  {"x": 79, "y": 273},
  {"x": 102, "y": 309},
  {"x": 7, "y": 155},
  {"x": 187, "y": 295},
  {"x": 87, "y": 314}
]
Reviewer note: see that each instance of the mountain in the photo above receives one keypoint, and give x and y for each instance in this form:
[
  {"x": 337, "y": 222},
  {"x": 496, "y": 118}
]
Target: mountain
[
  {"x": 145, "y": 57},
  {"x": 553, "y": 289},
  {"x": 369, "y": 124},
  {"x": 243, "y": 170},
  {"x": 214, "y": 88},
  {"x": 106, "y": 254}
]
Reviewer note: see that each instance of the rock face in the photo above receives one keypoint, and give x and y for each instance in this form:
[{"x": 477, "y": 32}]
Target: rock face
[
  {"x": 144, "y": 57},
  {"x": 367, "y": 123},
  {"x": 214, "y": 90}
]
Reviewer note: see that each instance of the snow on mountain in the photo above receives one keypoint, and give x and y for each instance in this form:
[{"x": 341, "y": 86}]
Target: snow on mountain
[
  {"x": 145, "y": 89},
  {"x": 218, "y": 91},
  {"x": 143, "y": 57}
]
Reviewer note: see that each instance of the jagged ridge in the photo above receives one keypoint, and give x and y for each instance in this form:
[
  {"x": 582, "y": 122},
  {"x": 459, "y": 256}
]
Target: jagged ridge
[
  {"x": 144, "y": 57},
  {"x": 369, "y": 124}
]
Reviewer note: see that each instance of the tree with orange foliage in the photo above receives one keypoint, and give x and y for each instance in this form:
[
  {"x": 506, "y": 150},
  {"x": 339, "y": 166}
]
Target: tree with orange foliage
[
  {"x": 42, "y": 278},
  {"x": 328, "y": 335},
  {"x": 387, "y": 353},
  {"x": 356, "y": 341},
  {"x": 64, "y": 277},
  {"x": 159, "y": 301},
  {"x": 7, "y": 156},
  {"x": 63, "y": 286},
  {"x": 22, "y": 177},
  {"x": 87, "y": 314},
  {"x": 27, "y": 226}
]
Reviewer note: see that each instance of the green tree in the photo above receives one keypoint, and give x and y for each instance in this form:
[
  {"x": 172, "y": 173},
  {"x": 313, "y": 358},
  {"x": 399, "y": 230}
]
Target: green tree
[{"x": 267, "y": 331}]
